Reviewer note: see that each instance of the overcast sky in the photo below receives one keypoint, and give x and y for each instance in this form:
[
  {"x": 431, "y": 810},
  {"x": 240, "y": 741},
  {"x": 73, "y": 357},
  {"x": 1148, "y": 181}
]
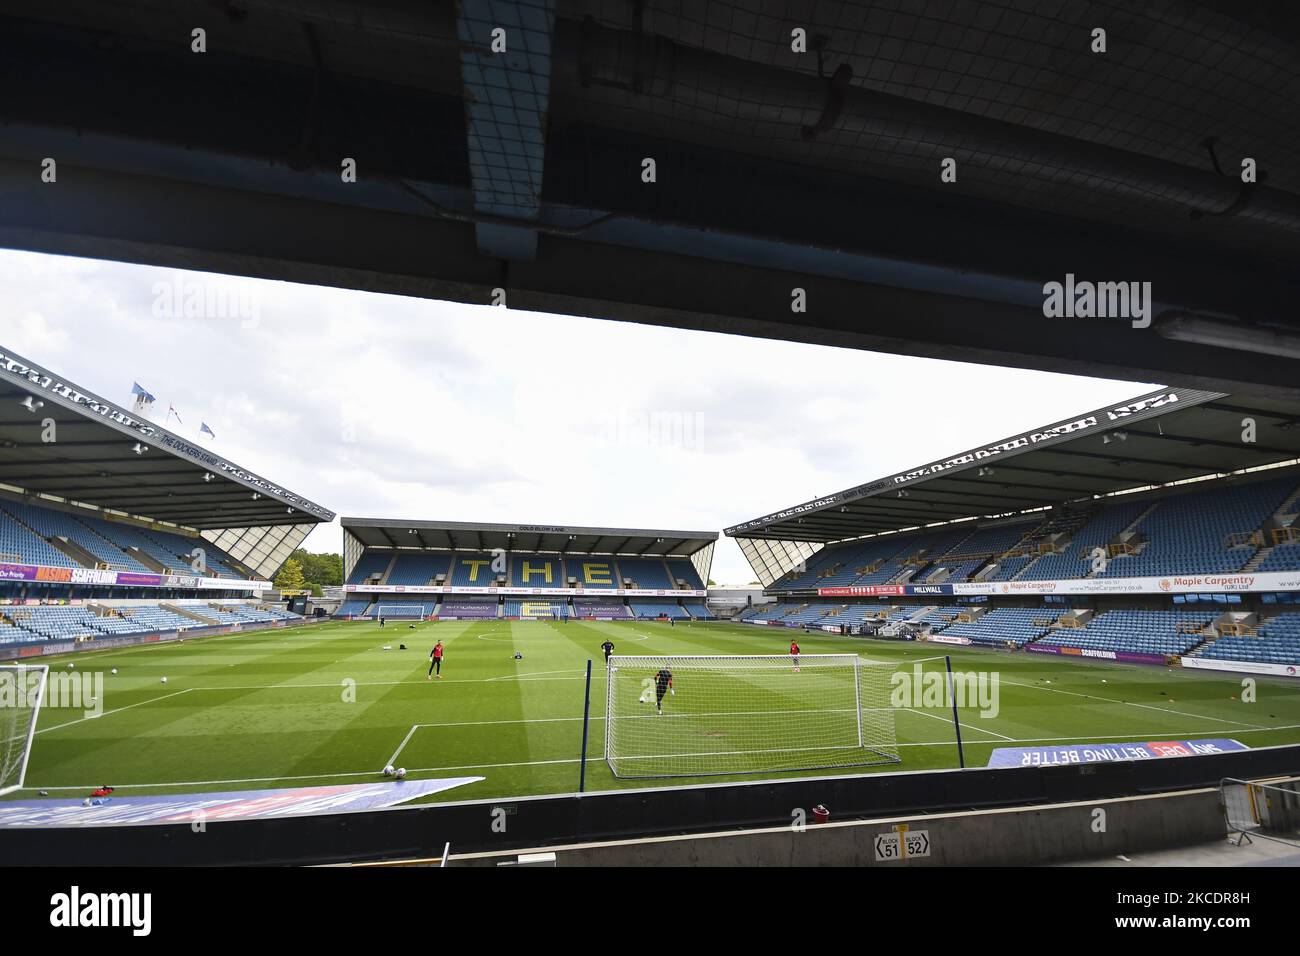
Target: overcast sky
[{"x": 387, "y": 407}]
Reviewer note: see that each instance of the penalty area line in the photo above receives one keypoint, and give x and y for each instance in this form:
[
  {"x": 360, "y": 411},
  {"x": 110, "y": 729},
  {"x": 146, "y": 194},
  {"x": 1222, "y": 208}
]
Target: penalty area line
[{"x": 116, "y": 710}]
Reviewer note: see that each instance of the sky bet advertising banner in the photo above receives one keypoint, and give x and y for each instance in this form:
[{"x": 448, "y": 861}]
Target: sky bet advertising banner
[
  {"x": 1108, "y": 753},
  {"x": 208, "y": 807},
  {"x": 1174, "y": 584},
  {"x": 28, "y": 572}
]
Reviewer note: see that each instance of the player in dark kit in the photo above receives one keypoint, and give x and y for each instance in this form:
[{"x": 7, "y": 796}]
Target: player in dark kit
[
  {"x": 663, "y": 685},
  {"x": 435, "y": 660},
  {"x": 608, "y": 648}
]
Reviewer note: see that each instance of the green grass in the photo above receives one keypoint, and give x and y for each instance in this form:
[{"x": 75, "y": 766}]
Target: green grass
[{"x": 270, "y": 709}]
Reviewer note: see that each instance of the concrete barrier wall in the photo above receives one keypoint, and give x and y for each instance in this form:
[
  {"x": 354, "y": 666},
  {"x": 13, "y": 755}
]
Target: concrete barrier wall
[{"x": 1006, "y": 837}]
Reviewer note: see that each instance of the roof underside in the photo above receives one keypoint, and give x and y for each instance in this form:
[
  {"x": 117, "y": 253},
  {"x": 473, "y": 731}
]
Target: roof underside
[
  {"x": 775, "y": 168},
  {"x": 74, "y": 445},
  {"x": 467, "y": 536},
  {"x": 1165, "y": 436}
]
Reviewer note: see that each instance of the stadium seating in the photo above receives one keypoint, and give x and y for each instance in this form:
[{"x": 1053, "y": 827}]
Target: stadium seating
[
  {"x": 474, "y": 570},
  {"x": 1187, "y": 533},
  {"x": 592, "y": 573},
  {"x": 698, "y": 611},
  {"x": 645, "y": 573},
  {"x": 51, "y": 524},
  {"x": 1137, "y": 631},
  {"x": 658, "y": 609},
  {"x": 528, "y": 609},
  {"x": 33, "y": 623},
  {"x": 418, "y": 570},
  {"x": 1285, "y": 557},
  {"x": 369, "y": 564},
  {"x": 680, "y": 570},
  {"x": 1277, "y": 641},
  {"x": 21, "y": 545},
  {"x": 536, "y": 571},
  {"x": 1017, "y": 624},
  {"x": 353, "y": 607}
]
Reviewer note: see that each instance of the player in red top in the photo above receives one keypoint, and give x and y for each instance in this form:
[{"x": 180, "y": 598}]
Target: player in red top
[
  {"x": 435, "y": 660},
  {"x": 794, "y": 653}
]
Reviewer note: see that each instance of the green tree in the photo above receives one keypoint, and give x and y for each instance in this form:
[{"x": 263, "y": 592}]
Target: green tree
[
  {"x": 290, "y": 577},
  {"x": 322, "y": 569}
]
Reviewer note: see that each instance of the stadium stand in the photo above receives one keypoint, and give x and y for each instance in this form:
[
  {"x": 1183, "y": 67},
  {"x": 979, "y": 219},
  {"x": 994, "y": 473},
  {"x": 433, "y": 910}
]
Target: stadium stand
[
  {"x": 1206, "y": 530},
  {"x": 536, "y": 571},
  {"x": 353, "y": 607},
  {"x": 21, "y": 545},
  {"x": 1017, "y": 624},
  {"x": 1138, "y": 631},
  {"x": 644, "y": 573},
  {"x": 592, "y": 572},
  {"x": 418, "y": 570},
  {"x": 698, "y": 611},
  {"x": 474, "y": 570},
  {"x": 58, "y": 526},
  {"x": 600, "y": 609},
  {"x": 1191, "y": 533},
  {"x": 658, "y": 609},
  {"x": 528, "y": 609},
  {"x": 685, "y": 571},
  {"x": 1275, "y": 641},
  {"x": 370, "y": 565},
  {"x": 42, "y": 622}
]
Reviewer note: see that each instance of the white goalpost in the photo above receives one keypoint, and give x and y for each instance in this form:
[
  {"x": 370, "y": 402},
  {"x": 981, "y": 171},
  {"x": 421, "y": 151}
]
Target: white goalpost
[
  {"x": 22, "y": 689},
  {"x": 404, "y": 610},
  {"x": 746, "y": 714}
]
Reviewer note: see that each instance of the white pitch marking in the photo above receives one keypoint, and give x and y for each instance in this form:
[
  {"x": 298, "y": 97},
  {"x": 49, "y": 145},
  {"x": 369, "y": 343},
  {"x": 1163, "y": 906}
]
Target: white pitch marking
[
  {"x": 534, "y": 763},
  {"x": 1130, "y": 703},
  {"x": 947, "y": 720},
  {"x": 116, "y": 710},
  {"x": 402, "y": 746}
]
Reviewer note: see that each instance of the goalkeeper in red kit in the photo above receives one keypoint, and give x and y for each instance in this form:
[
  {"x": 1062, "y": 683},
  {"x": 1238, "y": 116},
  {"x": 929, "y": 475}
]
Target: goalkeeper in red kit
[{"x": 794, "y": 654}]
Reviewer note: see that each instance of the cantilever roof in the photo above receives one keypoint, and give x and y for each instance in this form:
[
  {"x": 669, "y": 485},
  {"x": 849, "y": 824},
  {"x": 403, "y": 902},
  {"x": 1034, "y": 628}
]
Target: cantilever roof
[
  {"x": 104, "y": 455},
  {"x": 403, "y": 533},
  {"x": 1167, "y": 435}
]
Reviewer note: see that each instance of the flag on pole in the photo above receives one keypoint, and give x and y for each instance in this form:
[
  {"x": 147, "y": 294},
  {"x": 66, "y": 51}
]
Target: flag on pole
[
  {"x": 171, "y": 410},
  {"x": 205, "y": 430}
]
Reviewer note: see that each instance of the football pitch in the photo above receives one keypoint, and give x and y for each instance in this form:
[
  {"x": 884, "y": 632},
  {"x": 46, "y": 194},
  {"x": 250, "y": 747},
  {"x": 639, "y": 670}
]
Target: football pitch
[{"x": 327, "y": 704}]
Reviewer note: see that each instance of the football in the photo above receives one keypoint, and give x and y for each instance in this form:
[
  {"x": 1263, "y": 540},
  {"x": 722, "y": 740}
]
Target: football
[
  {"x": 401, "y": 773},
  {"x": 389, "y": 770}
]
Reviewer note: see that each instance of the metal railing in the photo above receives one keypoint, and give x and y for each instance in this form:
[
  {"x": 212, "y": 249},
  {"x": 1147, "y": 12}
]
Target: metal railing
[{"x": 1268, "y": 809}]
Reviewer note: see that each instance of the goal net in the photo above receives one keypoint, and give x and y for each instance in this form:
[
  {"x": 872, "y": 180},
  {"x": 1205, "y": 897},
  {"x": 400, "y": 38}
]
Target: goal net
[
  {"x": 22, "y": 689},
  {"x": 736, "y": 714},
  {"x": 413, "y": 611}
]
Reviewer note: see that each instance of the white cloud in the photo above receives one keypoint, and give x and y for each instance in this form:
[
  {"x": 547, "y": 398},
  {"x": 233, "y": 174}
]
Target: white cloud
[{"x": 382, "y": 406}]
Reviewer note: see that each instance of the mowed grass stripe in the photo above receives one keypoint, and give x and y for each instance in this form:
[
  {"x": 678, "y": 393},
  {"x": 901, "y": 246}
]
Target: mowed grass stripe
[{"x": 267, "y": 707}]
